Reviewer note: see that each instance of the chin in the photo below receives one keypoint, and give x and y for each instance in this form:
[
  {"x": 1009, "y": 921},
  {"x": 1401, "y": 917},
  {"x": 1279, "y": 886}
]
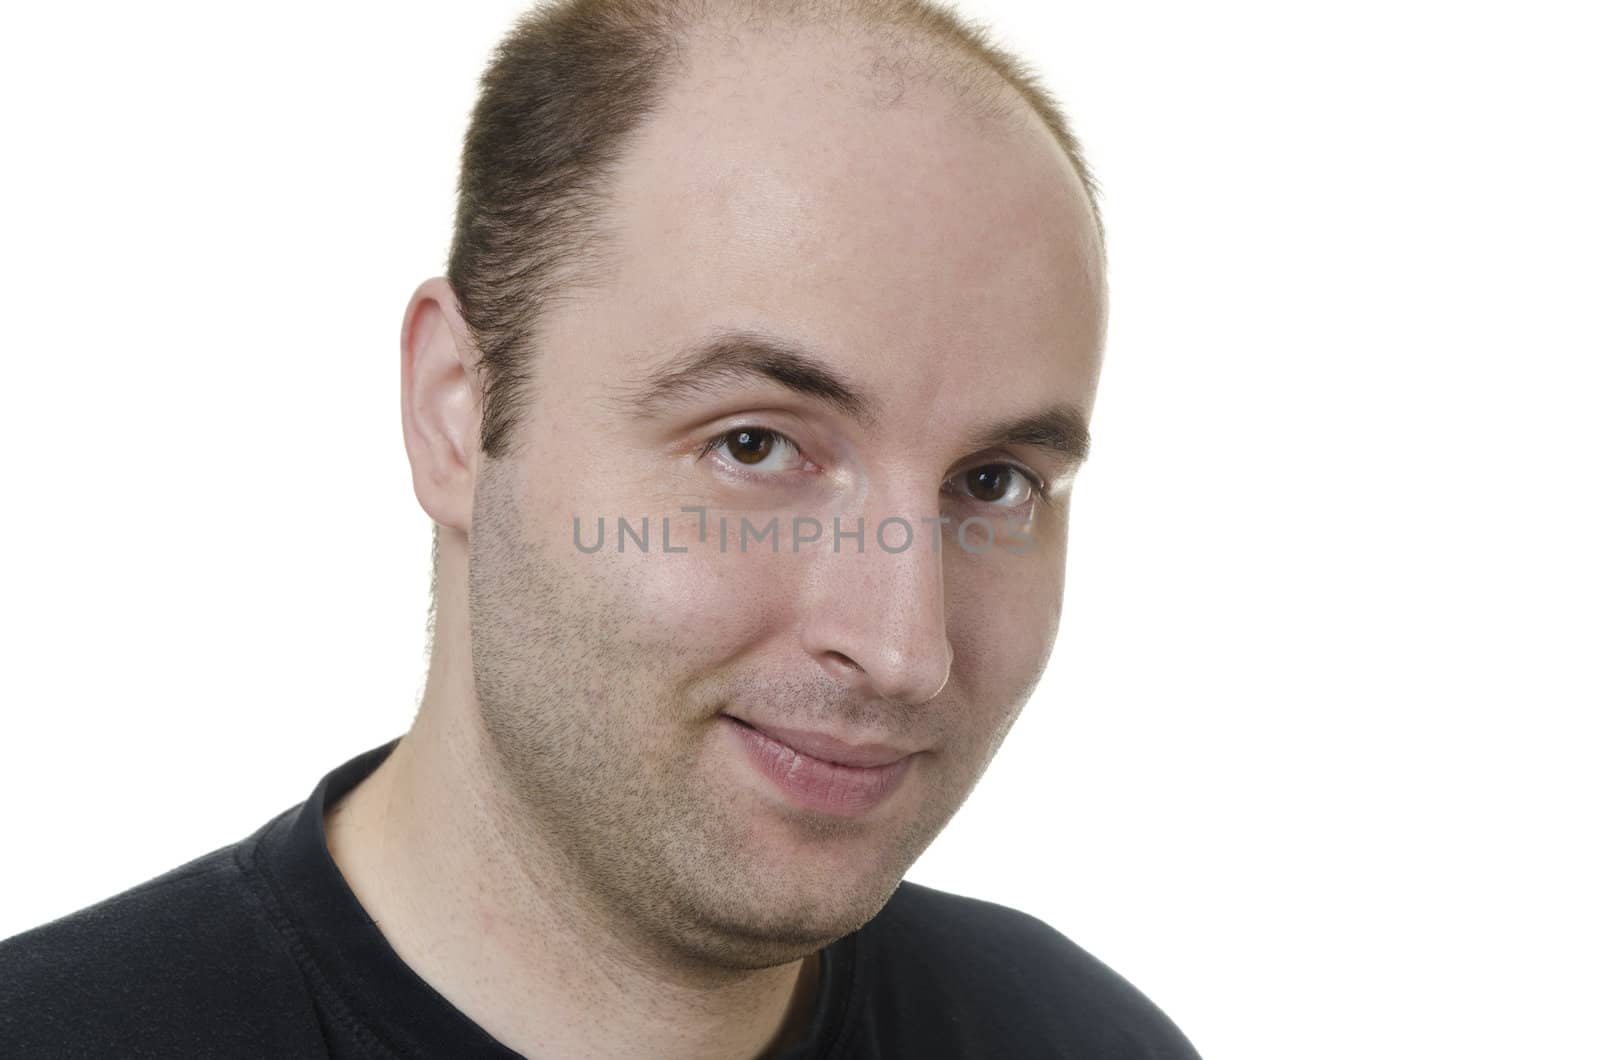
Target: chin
[{"x": 806, "y": 912}]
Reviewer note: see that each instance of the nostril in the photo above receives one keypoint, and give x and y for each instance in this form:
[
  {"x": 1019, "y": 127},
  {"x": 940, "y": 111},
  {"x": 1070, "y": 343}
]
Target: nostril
[{"x": 842, "y": 659}]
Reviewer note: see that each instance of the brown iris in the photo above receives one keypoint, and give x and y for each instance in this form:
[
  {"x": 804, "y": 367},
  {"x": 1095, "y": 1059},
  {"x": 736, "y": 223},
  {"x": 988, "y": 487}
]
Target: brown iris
[
  {"x": 989, "y": 483},
  {"x": 749, "y": 446}
]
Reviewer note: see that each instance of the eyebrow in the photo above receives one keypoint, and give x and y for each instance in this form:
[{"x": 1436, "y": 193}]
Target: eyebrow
[
  {"x": 1061, "y": 429},
  {"x": 740, "y": 355},
  {"x": 734, "y": 356}
]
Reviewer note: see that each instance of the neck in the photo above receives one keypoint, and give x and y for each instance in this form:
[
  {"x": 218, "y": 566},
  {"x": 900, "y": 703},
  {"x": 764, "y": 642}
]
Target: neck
[{"x": 494, "y": 921}]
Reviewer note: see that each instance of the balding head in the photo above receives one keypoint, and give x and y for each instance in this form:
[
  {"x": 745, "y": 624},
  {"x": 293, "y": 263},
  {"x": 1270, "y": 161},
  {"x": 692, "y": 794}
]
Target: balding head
[{"x": 574, "y": 80}]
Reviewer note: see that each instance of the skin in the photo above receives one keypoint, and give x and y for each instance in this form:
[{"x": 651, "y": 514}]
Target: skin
[{"x": 570, "y": 844}]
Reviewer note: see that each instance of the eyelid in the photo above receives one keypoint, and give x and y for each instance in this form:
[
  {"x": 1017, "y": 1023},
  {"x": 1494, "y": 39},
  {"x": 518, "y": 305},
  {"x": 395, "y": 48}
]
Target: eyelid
[
  {"x": 1035, "y": 479},
  {"x": 1040, "y": 489},
  {"x": 707, "y": 447}
]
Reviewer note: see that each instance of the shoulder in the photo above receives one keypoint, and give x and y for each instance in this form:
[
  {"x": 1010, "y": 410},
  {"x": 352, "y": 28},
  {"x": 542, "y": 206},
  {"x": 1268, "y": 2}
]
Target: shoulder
[
  {"x": 185, "y": 963},
  {"x": 995, "y": 976}
]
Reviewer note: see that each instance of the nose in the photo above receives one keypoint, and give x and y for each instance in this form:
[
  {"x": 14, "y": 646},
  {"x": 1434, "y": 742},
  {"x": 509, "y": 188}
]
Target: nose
[{"x": 875, "y": 618}]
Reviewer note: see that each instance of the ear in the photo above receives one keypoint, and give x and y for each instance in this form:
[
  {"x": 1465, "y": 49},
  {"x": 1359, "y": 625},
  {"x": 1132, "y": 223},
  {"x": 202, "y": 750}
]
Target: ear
[{"x": 439, "y": 406}]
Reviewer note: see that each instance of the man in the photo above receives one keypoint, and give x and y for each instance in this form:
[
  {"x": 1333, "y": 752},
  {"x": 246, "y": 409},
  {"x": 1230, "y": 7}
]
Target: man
[{"x": 830, "y": 276}]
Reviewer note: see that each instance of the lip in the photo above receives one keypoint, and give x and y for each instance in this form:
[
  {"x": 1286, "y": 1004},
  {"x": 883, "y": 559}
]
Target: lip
[
  {"x": 820, "y": 783},
  {"x": 832, "y": 749}
]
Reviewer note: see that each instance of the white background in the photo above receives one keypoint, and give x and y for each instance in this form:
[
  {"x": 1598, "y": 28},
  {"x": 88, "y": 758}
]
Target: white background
[{"x": 1313, "y": 765}]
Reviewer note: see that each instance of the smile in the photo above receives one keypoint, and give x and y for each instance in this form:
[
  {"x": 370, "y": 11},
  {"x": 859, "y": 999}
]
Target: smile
[{"x": 817, "y": 783}]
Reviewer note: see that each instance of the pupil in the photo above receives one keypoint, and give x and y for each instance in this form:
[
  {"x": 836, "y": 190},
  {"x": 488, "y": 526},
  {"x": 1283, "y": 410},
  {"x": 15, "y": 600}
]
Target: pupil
[
  {"x": 751, "y": 447},
  {"x": 989, "y": 483}
]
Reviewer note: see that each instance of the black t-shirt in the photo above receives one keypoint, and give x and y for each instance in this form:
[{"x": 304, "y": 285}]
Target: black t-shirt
[{"x": 260, "y": 949}]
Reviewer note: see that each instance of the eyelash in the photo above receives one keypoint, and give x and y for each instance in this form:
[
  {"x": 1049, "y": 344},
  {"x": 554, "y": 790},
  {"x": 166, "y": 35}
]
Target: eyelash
[{"x": 1035, "y": 483}]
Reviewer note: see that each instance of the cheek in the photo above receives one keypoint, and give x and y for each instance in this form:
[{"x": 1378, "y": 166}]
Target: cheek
[
  {"x": 1003, "y": 620},
  {"x": 695, "y": 608},
  {"x": 676, "y": 611}
]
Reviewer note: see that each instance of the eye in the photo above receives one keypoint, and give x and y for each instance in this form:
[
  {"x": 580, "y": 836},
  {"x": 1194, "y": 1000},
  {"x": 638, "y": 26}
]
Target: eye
[
  {"x": 753, "y": 447},
  {"x": 1002, "y": 485}
]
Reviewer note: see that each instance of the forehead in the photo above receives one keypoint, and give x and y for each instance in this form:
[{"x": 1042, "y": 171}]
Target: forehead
[{"x": 794, "y": 184}]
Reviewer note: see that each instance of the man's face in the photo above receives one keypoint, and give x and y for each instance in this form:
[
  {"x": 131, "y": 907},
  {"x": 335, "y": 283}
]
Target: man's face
[{"x": 944, "y": 268}]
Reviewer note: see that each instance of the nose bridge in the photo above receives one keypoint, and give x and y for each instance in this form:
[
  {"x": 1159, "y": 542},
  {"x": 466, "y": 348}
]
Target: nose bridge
[{"x": 876, "y": 618}]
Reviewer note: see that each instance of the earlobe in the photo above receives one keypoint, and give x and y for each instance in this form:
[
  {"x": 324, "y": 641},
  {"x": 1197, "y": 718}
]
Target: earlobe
[{"x": 439, "y": 407}]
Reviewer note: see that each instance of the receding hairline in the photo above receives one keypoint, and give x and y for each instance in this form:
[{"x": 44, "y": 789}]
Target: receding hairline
[
  {"x": 925, "y": 42},
  {"x": 521, "y": 225}
]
